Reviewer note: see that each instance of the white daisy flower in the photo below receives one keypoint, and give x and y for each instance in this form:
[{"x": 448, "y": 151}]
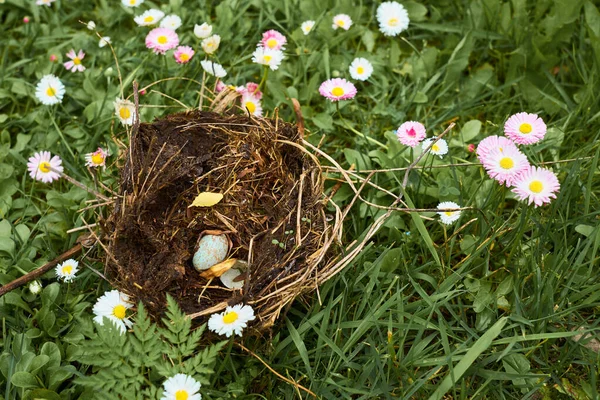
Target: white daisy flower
[
  {"x": 232, "y": 320},
  {"x": 211, "y": 44},
  {"x": 361, "y": 69},
  {"x": 181, "y": 387},
  {"x": 202, "y": 31},
  {"x": 91, "y": 25},
  {"x": 392, "y": 17},
  {"x": 268, "y": 57},
  {"x": 125, "y": 111},
  {"x": 50, "y": 90},
  {"x": 113, "y": 305},
  {"x": 43, "y": 167},
  {"x": 97, "y": 158},
  {"x": 171, "y": 21},
  {"x": 35, "y": 287},
  {"x": 131, "y": 3},
  {"x": 105, "y": 40},
  {"x": 448, "y": 217},
  {"x": 213, "y": 68},
  {"x": 252, "y": 104},
  {"x": 342, "y": 21},
  {"x": 307, "y": 26},
  {"x": 149, "y": 17},
  {"x": 439, "y": 148},
  {"x": 67, "y": 270}
]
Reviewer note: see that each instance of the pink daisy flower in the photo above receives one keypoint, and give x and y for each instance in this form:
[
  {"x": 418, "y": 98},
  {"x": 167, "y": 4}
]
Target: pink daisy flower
[
  {"x": 491, "y": 143},
  {"x": 97, "y": 158},
  {"x": 43, "y": 167},
  {"x": 524, "y": 128},
  {"x": 183, "y": 54},
  {"x": 273, "y": 40},
  {"x": 536, "y": 185},
  {"x": 44, "y": 2},
  {"x": 160, "y": 40},
  {"x": 252, "y": 88},
  {"x": 411, "y": 133},
  {"x": 337, "y": 89},
  {"x": 505, "y": 165},
  {"x": 75, "y": 63}
]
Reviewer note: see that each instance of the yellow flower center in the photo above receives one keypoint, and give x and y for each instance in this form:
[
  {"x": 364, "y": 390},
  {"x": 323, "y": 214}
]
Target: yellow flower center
[
  {"x": 448, "y": 213},
  {"x": 132, "y": 2},
  {"x": 525, "y": 128},
  {"x": 76, "y": 61},
  {"x": 393, "y": 22},
  {"x": 184, "y": 57},
  {"x": 337, "y": 91},
  {"x": 119, "y": 311},
  {"x": 181, "y": 395},
  {"x": 149, "y": 19},
  {"x": 124, "y": 113},
  {"x": 360, "y": 70},
  {"x": 250, "y": 106},
  {"x": 272, "y": 43},
  {"x": 50, "y": 92},
  {"x": 536, "y": 186},
  {"x": 162, "y": 39},
  {"x": 340, "y": 22},
  {"x": 268, "y": 58},
  {"x": 97, "y": 158},
  {"x": 506, "y": 163},
  {"x": 44, "y": 166},
  {"x": 230, "y": 317},
  {"x": 435, "y": 147},
  {"x": 67, "y": 269}
]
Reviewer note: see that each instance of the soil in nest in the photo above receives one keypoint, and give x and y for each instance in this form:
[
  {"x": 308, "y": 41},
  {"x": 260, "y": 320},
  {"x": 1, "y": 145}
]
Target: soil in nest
[{"x": 272, "y": 192}]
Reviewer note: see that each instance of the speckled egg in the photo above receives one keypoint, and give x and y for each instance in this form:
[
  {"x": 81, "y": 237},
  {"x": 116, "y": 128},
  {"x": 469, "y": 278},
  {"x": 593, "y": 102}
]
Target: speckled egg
[{"x": 211, "y": 250}]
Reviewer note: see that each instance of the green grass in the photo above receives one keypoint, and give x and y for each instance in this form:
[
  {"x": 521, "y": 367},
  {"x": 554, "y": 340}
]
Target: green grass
[{"x": 484, "y": 309}]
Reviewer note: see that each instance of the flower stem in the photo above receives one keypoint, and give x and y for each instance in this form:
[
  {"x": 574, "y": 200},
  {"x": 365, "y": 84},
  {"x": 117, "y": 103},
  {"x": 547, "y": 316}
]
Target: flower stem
[
  {"x": 81, "y": 185},
  {"x": 264, "y": 80}
]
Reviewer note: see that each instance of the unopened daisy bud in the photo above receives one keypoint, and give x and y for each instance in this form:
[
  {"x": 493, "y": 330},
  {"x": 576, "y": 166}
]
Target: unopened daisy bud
[
  {"x": 67, "y": 270},
  {"x": 53, "y": 58},
  {"x": 109, "y": 72},
  {"x": 35, "y": 287},
  {"x": 471, "y": 148},
  {"x": 104, "y": 41},
  {"x": 91, "y": 25},
  {"x": 307, "y": 27},
  {"x": 202, "y": 31},
  {"x": 342, "y": 21},
  {"x": 214, "y": 69},
  {"x": 25, "y": 20},
  {"x": 448, "y": 217},
  {"x": 211, "y": 44}
]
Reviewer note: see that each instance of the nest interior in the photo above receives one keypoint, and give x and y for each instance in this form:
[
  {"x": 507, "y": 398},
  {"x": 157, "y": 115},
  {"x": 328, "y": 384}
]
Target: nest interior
[{"x": 273, "y": 191}]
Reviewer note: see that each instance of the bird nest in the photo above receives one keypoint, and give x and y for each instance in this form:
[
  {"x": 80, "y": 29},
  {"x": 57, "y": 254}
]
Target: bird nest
[{"x": 272, "y": 212}]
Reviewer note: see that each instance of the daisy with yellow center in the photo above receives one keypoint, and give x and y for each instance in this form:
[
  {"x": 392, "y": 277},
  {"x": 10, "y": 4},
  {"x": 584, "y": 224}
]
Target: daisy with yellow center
[
  {"x": 232, "y": 321},
  {"x": 504, "y": 165},
  {"x": 211, "y": 44},
  {"x": 50, "y": 90},
  {"x": 43, "y": 167},
  {"x": 392, "y": 18},
  {"x": 251, "y": 104},
  {"x": 307, "y": 27},
  {"x": 342, "y": 21},
  {"x": 269, "y": 57},
  {"x": 337, "y": 89},
  {"x": 67, "y": 270},
  {"x": 202, "y": 31},
  {"x": 183, "y": 54},
  {"x": 149, "y": 17},
  {"x": 75, "y": 64},
  {"x": 181, "y": 387},
  {"x": 448, "y": 216},
  {"x": 361, "y": 69},
  {"x": 524, "y": 128},
  {"x": 439, "y": 148},
  {"x": 125, "y": 111},
  {"x": 131, "y": 3},
  {"x": 161, "y": 40},
  {"x": 273, "y": 40},
  {"x": 113, "y": 305},
  {"x": 536, "y": 185},
  {"x": 97, "y": 158}
]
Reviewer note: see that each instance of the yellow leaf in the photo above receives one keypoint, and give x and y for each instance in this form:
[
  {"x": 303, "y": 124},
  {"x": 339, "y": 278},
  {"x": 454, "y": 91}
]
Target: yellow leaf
[
  {"x": 219, "y": 269},
  {"x": 206, "y": 199}
]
